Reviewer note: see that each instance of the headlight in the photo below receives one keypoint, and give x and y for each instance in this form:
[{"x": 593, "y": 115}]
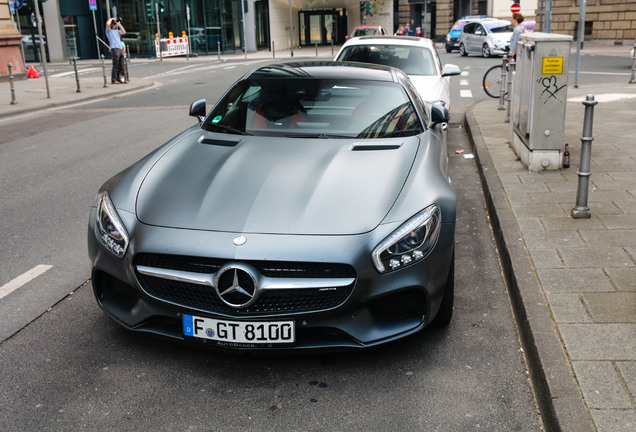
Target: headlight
[
  {"x": 109, "y": 228},
  {"x": 448, "y": 38},
  {"x": 410, "y": 243}
]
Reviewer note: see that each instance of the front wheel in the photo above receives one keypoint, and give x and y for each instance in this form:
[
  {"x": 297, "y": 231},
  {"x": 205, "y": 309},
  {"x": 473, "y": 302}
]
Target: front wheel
[
  {"x": 462, "y": 50},
  {"x": 492, "y": 81},
  {"x": 485, "y": 51}
]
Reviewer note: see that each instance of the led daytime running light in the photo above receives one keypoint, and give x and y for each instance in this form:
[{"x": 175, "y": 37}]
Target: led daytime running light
[{"x": 428, "y": 220}]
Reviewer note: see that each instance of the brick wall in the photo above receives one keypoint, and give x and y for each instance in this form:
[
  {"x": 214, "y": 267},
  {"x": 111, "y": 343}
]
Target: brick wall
[{"x": 611, "y": 19}]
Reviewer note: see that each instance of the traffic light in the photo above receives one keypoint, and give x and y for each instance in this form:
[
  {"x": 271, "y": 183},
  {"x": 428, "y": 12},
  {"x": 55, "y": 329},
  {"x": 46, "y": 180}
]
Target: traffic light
[
  {"x": 162, "y": 9},
  {"x": 150, "y": 9},
  {"x": 363, "y": 6}
]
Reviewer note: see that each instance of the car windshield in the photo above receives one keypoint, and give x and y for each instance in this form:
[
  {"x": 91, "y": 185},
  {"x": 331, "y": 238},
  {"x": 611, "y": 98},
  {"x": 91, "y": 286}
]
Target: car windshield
[
  {"x": 459, "y": 25},
  {"x": 413, "y": 60},
  {"x": 365, "y": 32},
  {"x": 499, "y": 27},
  {"x": 315, "y": 108}
]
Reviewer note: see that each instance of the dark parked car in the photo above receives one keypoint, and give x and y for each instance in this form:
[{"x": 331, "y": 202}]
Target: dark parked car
[{"x": 311, "y": 208}]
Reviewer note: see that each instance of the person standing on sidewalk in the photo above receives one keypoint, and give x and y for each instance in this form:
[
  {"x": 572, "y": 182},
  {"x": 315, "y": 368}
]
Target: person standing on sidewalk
[
  {"x": 516, "y": 21},
  {"x": 114, "y": 32}
]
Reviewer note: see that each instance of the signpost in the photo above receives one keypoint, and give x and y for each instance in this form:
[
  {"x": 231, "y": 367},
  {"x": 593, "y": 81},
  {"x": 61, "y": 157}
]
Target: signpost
[
  {"x": 516, "y": 7},
  {"x": 92, "y": 6}
]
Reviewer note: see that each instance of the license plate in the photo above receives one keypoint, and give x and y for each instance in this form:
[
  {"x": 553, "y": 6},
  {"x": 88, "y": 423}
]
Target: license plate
[{"x": 239, "y": 332}]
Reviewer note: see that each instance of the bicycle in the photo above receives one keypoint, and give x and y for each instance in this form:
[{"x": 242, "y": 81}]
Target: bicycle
[{"x": 492, "y": 80}]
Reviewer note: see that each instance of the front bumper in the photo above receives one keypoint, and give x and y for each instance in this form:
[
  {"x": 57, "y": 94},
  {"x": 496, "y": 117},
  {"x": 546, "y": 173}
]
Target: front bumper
[
  {"x": 374, "y": 309},
  {"x": 452, "y": 44}
]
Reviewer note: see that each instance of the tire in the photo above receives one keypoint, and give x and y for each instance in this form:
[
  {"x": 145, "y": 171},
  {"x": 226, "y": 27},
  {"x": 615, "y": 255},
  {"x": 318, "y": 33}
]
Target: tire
[
  {"x": 485, "y": 51},
  {"x": 462, "y": 50},
  {"x": 492, "y": 81},
  {"x": 445, "y": 312},
  {"x": 449, "y": 50}
]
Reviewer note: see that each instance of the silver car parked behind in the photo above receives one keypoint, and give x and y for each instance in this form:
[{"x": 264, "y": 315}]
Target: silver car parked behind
[{"x": 487, "y": 38}]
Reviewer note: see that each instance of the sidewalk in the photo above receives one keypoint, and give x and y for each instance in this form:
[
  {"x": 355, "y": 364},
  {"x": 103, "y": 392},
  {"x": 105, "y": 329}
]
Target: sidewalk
[{"x": 572, "y": 281}]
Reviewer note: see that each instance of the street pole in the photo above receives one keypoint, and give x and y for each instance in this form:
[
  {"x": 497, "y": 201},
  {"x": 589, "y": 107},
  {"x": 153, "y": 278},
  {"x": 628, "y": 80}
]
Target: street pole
[
  {"x": 188, "y": 19},
  {"x": 243, "y": 22},
  {"x": 96, "y": 40},
  {"x": 158, "y": 29},
  {"x": 291, "y": 30},
  {"x": 579, "y": 42},
  {"x": 42, "y": 50},
  {"x": 548, "y": 15}
]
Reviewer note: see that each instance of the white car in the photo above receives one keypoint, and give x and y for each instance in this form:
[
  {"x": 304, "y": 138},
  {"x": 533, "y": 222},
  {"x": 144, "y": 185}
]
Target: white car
[
  {"x": 487, "y": 38},
  {"x": 416, "y": 56}
]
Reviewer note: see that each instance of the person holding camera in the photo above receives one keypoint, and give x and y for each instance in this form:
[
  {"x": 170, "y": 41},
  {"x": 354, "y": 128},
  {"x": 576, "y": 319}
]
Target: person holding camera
[{"x": 114, "y": 32}]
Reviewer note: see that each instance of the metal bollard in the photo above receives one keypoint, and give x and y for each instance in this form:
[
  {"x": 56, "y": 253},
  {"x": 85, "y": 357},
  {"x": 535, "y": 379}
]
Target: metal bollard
[
  {"x": 74, "y": 60},
  {"x": 11, "y": 84},
  {"x": 273, "y": 50},
  {"x": 126, "y": 68},
  {"x": 502, "y": 85},
  {"x": 581, "y": 210},
  {"x": 633, "y": 79},
  {"x": 218, "y": 51},
  {"x": 103, "y": 70},
  {"x": 331, "y": 47},
  {"x": 316, "y": 49},
  {"x": 511, "y": 70}
]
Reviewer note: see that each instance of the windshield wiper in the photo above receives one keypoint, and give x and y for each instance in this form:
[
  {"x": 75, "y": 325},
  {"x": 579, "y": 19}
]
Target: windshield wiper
[{"x": 228, "y": 128}]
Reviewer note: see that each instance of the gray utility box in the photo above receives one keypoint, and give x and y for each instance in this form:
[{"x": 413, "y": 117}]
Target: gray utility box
[{"x": 539, "y": 96}]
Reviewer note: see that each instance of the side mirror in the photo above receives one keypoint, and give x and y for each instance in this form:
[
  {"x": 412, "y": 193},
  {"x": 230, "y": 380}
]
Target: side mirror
[
  {"x": 450, "y": 70},
  {"x": 197, "y": 109},
  {"x": 439, "y": 114}
]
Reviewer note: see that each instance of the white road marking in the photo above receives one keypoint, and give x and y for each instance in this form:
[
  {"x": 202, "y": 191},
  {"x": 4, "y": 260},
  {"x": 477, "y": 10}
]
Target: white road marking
[
  {"x": 80, "y": 72},
  {"x": 23, "y": 279},
  {"x": 465, "y": 93},
  {"x": 464, "y": 73},
  {"x": 463, "y": 82}
]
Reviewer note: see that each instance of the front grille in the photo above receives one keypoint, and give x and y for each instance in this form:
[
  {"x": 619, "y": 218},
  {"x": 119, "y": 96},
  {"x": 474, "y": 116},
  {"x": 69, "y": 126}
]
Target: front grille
[{"x": 270, "y": 302}]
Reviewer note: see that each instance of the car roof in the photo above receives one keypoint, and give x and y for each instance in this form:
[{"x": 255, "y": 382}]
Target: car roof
[
  {"x": 367, "y": 26},
  {"x": 329, "y": 70},
  {"x": 391, "y": 40},
  {"x": 476, "y": 19}
]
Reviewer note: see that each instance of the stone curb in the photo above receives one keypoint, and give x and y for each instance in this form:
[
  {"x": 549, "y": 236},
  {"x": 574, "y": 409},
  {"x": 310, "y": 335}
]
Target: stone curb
[{"x": 558, "y": 396}]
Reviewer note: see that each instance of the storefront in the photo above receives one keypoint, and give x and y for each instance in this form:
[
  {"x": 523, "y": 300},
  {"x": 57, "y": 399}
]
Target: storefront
[
  {"x": 213, "y": 25},
  {"x": 322, "y": 26}
]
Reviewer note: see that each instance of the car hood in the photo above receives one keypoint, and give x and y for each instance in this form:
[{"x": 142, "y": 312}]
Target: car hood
[
  {"x": 431, "y": 88},
  {"x": 502, "y": 36},
  {"x": 275, "y": 185}
]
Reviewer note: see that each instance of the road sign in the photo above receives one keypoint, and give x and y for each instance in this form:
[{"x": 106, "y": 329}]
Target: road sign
[
  {"x": 92, "y": 4},
  {"x": 516, "y": 7},
  {"x": 14, "y": 5}
]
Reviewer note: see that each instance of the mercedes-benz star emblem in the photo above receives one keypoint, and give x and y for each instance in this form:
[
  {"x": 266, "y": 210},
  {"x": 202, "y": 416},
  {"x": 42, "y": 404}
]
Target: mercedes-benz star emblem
[
  {"x": 240, "y": 240},
  {"x": 236, "y": 286}
]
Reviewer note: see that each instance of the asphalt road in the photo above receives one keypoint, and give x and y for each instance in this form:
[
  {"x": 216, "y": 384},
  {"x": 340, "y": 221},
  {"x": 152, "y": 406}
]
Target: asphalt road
[{"x": 65, "y": 366}]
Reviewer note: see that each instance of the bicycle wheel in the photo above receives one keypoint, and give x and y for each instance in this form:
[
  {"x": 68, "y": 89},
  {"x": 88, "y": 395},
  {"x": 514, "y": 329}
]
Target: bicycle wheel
[{"x": 492, "y": 81}]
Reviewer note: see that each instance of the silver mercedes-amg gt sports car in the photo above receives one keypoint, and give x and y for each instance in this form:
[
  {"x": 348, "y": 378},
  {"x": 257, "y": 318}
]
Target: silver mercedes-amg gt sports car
[{"x": 310, "y": 208}]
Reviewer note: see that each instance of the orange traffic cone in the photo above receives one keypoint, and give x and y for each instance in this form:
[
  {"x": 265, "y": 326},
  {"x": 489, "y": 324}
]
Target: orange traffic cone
[{"x": 32, "y": 73}]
